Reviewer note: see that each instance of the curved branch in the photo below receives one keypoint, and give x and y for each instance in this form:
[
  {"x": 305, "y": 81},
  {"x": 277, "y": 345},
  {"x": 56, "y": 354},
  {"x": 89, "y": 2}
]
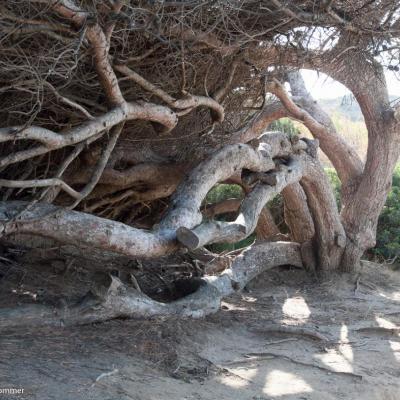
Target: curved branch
[
  {"x": 221, "y": 166},
  {"x": 101, "y": 164},
  {"x": 330, "y": 236},
  {"x": 79, "y": 229},
  {"x": 144, "y": 83},
  {"x": 246, "y": 222},
  {"x": 342, "y": 155},
  {"x": 191, "y": 102},
  {"x": 42, "y": 135},
  {"x": 40, "y": 183},
  {"x": 51, "y": 193},
  {"x": 68, "y": 102},
  {"x": 94, "y": 33},
  {"x": 259, "y": 123},
  {"x": 147, "y": 173}
]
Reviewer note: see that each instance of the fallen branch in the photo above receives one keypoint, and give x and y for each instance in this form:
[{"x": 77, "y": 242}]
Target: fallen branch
[{"x": 123, "y": 301}]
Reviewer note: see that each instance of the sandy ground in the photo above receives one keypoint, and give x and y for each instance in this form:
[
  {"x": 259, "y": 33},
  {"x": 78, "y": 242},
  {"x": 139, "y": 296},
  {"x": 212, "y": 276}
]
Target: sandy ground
[{"x": 286, "y": 337}]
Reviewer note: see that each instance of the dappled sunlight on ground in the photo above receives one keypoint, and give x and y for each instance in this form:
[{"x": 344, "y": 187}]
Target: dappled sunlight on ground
[
  {"x": 385, "y": 323},
  {"x": 296, "y": 308},
  {"x": 339, "y": 359},
  {"x": 395, "y": 346},
  {"x": 337, "y": 362},
  {"x": 280, "y": 383}
]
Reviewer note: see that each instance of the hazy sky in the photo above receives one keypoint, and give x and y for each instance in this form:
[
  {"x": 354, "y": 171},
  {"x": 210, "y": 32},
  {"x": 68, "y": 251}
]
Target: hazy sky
[{"x": 323, "y": 87}]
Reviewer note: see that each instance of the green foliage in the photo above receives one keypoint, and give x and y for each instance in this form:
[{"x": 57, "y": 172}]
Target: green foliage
[
  {"x": 285, "y": 125},
  {"x": 336, "y": 184},
  {"x": 222, "y": 247},
  {"x": 388, "y": 232},
  {"x": 223, "y": 192}
]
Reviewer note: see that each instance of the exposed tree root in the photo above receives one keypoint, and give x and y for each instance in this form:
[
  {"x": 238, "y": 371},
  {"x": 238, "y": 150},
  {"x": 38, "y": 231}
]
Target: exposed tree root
[
  {"x": 119, "y": 301},
  {"x": 292, "y": 330},
  {"x": 379, "y": 330}
]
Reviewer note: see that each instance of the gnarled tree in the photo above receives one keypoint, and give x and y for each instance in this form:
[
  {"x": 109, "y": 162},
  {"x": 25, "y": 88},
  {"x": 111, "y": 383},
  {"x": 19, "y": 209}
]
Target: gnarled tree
[{"x": 108, "y": 107}]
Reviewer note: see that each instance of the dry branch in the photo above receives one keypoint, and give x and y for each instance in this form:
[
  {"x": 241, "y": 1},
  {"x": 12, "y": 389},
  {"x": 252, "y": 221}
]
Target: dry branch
[
  {"x": 101, "y": 164},
  {"x": 188, "y": 103},
  {"x": 53, "y": 140}
]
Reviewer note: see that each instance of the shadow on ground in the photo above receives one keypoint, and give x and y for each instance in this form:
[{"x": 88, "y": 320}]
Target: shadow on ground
[{"x": 285, "y": 337}]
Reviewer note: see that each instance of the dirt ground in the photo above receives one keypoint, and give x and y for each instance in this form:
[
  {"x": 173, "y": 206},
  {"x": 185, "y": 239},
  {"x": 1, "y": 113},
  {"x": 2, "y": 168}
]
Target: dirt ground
[{"x": 286, "y": 337}]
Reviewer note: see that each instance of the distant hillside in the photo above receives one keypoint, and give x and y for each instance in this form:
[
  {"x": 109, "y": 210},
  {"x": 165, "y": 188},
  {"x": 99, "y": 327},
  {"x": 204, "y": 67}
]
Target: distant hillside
[{"x": 345, "y": 106}]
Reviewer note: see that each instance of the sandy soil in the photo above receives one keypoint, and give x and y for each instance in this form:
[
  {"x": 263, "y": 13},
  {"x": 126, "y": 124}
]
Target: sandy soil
[{"x": 286, "y": 337}]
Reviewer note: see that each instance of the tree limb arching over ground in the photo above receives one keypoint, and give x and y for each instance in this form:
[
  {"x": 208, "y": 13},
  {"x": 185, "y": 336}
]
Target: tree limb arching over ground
[{"x": 134, "y": 114}]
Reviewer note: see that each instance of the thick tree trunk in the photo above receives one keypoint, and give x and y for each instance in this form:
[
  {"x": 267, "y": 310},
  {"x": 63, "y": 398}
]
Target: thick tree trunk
[
  {"x": 330, "y": 236},
  {"x": 300, "y": 223},
  {"x": 297, "y": 213},
  {"x": 368, "y": 197},
  {"x": 360, "y": 217}
]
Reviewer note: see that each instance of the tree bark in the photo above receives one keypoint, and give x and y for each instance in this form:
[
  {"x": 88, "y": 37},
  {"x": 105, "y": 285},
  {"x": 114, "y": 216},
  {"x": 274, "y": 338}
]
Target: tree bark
[
  {"x": 184, "y": 213},
  {"x": 297, "y": 213}
]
